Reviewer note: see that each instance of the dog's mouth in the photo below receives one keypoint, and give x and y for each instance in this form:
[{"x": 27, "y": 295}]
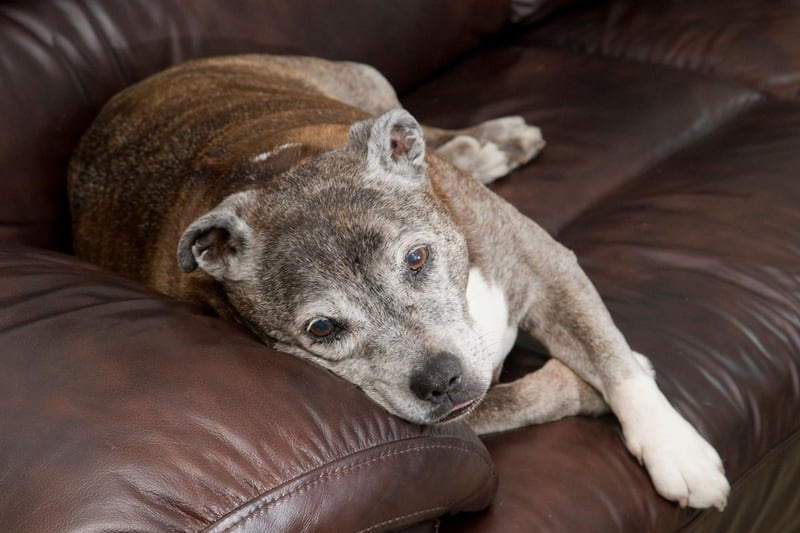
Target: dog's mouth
[{"x": 460, "y": 410}]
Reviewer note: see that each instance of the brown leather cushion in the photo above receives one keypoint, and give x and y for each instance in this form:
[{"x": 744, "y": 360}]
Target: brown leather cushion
[
  {"x": 754, "y": 43},
  {"x": 125, "y": 411}
]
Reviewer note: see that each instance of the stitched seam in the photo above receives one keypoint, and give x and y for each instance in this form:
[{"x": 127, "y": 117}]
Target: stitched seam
[
  {"x": 491, "y": 479},
  {"x": 327, "y": 476},
  {"x": 337, "y": 473},
  {"x": 401, "y": 518}
]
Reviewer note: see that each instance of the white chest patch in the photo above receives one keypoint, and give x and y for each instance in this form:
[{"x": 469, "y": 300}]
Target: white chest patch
[{"x": 488, "y": 308}]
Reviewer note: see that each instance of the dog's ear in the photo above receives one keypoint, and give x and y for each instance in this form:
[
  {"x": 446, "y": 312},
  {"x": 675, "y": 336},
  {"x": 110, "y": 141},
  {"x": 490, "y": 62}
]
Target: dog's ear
[
  {"x": 219, "y": 241},
  {"x": 393, "y": 142}
]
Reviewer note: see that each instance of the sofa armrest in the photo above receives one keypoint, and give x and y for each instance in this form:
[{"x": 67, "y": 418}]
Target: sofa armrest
[{"x": 125, "y": 410}]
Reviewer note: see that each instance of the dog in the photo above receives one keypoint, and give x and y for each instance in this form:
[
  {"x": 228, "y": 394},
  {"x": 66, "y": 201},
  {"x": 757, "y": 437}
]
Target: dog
[{"x": 305, "y": 204}]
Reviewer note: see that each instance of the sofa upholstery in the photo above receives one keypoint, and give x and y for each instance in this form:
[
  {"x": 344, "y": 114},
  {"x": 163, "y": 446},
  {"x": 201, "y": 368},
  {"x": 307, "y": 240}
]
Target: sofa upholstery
[{"x": 671, "y": 169}]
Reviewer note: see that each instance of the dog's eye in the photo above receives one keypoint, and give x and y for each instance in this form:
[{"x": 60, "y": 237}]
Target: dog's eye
[
  {"x": 416, "y": 258},
  {"x": 320, "y": 327}
]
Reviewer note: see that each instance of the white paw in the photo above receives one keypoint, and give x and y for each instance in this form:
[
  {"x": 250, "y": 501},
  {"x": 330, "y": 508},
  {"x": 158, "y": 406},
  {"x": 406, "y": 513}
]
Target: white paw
[
  {"x": 520, "y": 141},
  {"x": 494, "y": 148},
  {"x": 683, "y": 466},
  {"x": 485, "y": 161},
  {"x": 513, "y": 135}
]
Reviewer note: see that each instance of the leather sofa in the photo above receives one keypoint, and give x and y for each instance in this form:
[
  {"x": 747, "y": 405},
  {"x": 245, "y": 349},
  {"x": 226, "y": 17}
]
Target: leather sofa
[{"x": 672, "y": 169}]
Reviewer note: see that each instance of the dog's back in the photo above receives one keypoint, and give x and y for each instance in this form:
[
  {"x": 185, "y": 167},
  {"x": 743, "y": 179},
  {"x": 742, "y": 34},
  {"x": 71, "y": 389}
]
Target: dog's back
[{"x": 168, "y": 149}]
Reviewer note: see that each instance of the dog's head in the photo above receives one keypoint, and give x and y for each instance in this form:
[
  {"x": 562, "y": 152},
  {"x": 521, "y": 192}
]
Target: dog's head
[{"x": 353, "y": 262}]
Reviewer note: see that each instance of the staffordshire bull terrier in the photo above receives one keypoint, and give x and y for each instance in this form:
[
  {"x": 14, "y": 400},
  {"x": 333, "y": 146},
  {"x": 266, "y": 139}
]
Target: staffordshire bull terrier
[{"x": 305, "y": 204}]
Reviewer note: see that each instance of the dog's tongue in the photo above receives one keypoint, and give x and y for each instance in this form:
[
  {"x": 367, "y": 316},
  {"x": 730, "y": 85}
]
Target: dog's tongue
[{"x": 460, "y": 406}]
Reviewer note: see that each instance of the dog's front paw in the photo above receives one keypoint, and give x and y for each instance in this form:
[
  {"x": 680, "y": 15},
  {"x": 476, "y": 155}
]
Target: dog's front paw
[
  {"x": 683, "y": 466},
  {"x": 494, "y": 148}
]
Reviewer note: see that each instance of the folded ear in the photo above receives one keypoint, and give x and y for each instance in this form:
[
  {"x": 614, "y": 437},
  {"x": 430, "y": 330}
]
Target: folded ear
[
  {"x": 393, "y": 142},
  {"x": 219, "y": 241}
]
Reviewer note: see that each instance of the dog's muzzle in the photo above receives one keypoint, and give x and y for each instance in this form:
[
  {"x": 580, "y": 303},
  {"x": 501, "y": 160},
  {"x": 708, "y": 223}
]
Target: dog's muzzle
[{"x": 440, "y": 382}]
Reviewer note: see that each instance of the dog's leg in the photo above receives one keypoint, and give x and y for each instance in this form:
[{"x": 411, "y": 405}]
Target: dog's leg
[
  {"x": 546, "y": 395},
  {"x": 489, "y": 150},
  {"x": 551, "y": 393},
  {"x": 567, "y": 315}
]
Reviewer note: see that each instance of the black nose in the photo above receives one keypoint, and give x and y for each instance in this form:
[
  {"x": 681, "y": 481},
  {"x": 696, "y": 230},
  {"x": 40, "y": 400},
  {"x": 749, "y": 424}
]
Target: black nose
[{"x": 439, "y": 376}]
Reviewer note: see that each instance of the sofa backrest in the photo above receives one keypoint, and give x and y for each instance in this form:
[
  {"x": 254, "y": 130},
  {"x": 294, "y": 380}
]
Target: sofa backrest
[{"x": 60, "y": 61}]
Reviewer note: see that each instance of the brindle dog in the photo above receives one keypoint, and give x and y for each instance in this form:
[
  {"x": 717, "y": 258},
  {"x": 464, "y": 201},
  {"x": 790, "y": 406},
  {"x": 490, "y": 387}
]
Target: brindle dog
[{"x": 305, "y": 204}]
